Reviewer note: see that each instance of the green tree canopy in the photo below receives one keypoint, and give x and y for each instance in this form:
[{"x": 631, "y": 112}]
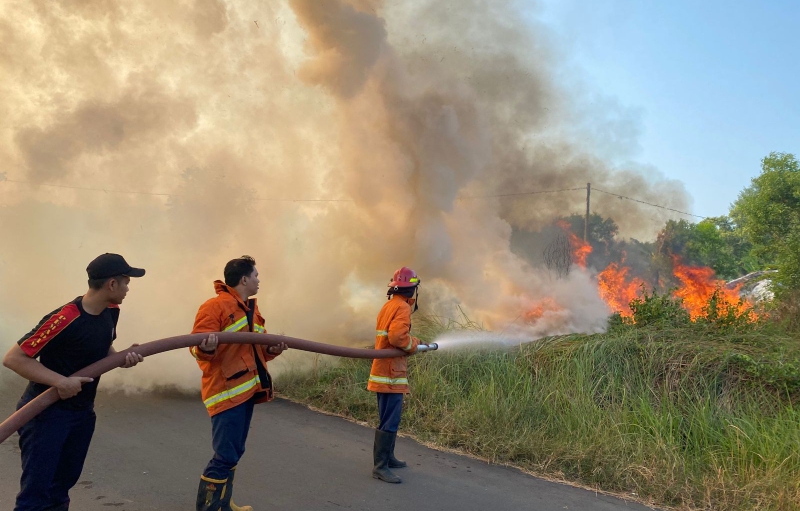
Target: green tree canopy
[
  {"x": 712, "y": 242},
  {"x": 599, "y": 229},
  {"x": 768, "y": 214}
]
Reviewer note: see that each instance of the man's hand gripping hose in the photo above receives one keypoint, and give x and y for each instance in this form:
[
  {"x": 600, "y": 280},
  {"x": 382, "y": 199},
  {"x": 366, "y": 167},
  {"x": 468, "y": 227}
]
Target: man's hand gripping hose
[{"x": 47, "y": 398}]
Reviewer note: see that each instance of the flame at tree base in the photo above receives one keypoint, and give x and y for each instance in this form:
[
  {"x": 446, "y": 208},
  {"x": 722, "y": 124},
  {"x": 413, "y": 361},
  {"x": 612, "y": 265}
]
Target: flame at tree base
[
  {"x": 580, "y": 249},
  {"x": 616, "y": 290},
  {"x": 701, "y": 294},
  {"x": 700, "y": 291}
]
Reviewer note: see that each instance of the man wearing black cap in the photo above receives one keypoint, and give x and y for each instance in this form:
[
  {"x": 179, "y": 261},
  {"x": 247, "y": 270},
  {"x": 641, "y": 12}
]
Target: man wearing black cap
[{"x": 55, "y": 443}]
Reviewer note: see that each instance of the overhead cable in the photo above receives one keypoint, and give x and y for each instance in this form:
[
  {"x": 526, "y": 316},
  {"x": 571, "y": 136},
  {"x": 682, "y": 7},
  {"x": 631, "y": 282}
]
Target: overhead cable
[{"x": 647, "y": 203}]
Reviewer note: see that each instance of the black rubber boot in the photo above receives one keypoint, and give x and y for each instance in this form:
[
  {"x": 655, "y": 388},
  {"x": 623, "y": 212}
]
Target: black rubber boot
[
  {"x": 394, "y": 462},
  {"x": 210, "y": 494},
  {"x": 227, "y": 501},
  {"x": 380, "y": 454}
]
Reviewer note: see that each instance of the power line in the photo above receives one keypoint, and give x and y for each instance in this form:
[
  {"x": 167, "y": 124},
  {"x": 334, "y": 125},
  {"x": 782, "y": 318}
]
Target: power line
[
  {"x": 84, "y": 188},
  {"x": 579, "y": 189},
  {"x": 106, "y": 190},
  {"x": 517, "y": 194},
  {"x": 648, "y": 203},
  {"x": 156, "y": 194},
  {"x": 473, "y": 197}
]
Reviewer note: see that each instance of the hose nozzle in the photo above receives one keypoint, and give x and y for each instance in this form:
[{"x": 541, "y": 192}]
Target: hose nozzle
[{"x": 428, "y": 347}]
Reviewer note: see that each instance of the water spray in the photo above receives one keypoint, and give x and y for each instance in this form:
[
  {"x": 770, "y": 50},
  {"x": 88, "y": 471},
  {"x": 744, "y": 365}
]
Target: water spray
[
  {"x": 50, "y": 396},
  {"x": 470, "y": 340}
]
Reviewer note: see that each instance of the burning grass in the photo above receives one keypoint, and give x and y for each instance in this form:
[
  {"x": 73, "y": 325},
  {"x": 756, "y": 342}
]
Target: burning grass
[
  {"x": 698, "y": 285},
  {"x": 617, "y": 289},
  {"x": 692, "y": 417},
  {"x": 704, "y": 297}
]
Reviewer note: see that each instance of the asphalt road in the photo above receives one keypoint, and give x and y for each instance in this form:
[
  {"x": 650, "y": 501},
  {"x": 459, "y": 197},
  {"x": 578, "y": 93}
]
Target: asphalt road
[{"x": 149, "y": 450}]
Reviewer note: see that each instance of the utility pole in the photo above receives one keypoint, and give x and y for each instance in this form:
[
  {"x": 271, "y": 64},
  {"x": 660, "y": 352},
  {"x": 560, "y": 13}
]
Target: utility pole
[{"x": 586, "y": 220}]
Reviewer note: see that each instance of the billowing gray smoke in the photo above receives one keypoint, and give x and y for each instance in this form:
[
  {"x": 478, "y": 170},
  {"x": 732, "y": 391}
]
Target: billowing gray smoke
[{"x": 333, "y": 141}]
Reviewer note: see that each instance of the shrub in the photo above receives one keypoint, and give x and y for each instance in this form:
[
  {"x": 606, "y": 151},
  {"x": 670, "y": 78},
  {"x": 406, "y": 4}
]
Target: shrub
[{"x": 655, "y": 309}]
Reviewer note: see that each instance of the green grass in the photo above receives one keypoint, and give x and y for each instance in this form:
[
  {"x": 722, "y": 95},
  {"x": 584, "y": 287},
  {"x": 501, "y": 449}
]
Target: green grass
[{"x": 685, "y": 417}]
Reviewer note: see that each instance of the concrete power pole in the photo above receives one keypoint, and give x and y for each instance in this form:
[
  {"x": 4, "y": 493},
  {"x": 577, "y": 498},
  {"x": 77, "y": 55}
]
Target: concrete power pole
[{"x": 586, "y": 220}]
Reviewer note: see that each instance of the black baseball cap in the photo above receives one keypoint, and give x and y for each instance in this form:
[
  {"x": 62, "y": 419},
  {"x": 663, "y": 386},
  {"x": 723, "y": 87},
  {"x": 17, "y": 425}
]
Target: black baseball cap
[{"x": 111, "y": 265}]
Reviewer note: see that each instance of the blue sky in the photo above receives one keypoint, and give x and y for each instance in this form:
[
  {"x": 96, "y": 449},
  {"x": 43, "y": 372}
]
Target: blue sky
[{"x": 715, "y": 85}]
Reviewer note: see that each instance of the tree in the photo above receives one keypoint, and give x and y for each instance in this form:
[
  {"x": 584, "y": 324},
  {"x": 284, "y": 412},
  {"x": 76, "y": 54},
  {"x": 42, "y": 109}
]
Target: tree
[
  {"x": 599, "y": 230},
  {"x": 740, "y": 247},
  {"x": 674, "y": 237},
  {"x": 709, "y": 247},
  {"x": 712, "y": 242},
  {"x": 544, "y": 247},
  {"x": 768, "y": 213}
]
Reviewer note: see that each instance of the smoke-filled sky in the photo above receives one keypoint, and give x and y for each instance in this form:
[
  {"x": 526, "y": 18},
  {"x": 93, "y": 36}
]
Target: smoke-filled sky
[{"x": 332, "y": 141}]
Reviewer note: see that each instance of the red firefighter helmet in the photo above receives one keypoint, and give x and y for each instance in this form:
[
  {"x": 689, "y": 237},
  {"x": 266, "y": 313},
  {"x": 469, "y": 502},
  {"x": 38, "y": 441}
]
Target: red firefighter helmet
[{"x": 404, "y": 277}]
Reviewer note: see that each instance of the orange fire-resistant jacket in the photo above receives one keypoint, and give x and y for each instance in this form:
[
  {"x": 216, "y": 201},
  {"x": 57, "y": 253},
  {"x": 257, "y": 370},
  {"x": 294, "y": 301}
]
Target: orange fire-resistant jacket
[
  {"x": 392, "y": 330},
  {"x": 231, "y": 373}
]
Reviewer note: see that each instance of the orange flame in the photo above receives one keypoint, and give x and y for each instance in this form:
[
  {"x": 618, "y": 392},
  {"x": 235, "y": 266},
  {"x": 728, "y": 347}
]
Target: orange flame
[
  {"x": 616, "y": 290},
  {"x": 698, "y": 284},
  {"x": 580, "y": 249},
  {"x": 540, "y": 308}
]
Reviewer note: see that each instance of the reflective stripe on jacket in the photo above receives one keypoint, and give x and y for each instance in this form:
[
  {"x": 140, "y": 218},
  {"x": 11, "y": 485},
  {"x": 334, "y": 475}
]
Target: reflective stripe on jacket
[
  {"x": 392, "y": 330},
  {"x": 230, "y": 374}
]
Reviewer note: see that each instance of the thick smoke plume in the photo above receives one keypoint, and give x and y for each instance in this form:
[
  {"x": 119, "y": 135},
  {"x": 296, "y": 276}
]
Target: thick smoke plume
[{"x": 333, "y": 141}]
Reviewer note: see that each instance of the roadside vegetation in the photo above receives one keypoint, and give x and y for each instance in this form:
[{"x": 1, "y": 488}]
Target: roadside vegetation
[
  {"x": 697, "y": 411},
  {"x": 700, "y": 414}
]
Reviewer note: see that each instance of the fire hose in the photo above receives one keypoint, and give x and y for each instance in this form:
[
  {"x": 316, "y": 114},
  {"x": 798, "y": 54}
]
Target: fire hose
[{"x": 50, "y": 396}]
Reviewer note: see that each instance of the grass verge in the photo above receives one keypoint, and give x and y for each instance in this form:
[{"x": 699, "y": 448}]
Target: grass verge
[{"x": 687, "y": 417}]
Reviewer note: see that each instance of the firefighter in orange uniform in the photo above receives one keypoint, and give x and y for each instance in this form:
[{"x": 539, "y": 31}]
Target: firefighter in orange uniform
[
  {"x": 235, "y": 378},
  {"x": 388, "y": 377}
]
